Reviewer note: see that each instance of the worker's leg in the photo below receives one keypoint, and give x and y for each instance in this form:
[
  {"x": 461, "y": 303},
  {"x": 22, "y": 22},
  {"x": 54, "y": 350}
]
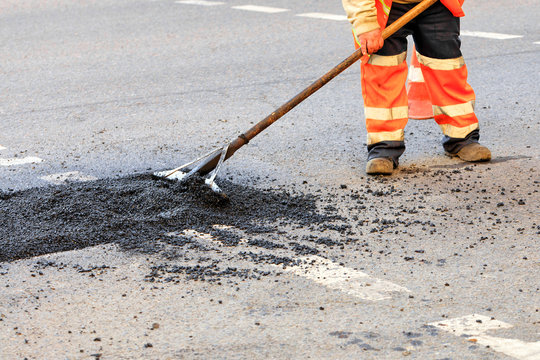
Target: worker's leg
[
  {"x": 436, "y": 35},
  {"x": 385, "y": 97}
]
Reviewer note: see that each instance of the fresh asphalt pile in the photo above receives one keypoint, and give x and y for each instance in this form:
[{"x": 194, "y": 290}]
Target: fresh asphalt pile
[
  {"x": 194, "y": 234},
  {"x": 137, "y": 212}
]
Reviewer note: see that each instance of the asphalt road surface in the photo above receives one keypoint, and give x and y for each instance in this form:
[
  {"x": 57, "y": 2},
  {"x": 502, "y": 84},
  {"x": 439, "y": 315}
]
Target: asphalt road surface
[{"x": 309, "y": 257}]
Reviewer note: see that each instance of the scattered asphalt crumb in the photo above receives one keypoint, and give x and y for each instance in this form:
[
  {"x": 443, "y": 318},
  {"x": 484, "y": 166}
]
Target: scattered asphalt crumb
[{"x": 376, "y": 219}]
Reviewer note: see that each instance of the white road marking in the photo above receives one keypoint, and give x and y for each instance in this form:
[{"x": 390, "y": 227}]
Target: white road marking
[
  {"x": 476, "y": 326},
  {"x": 61, "y": 178},
  {"x": 537, "y": 42},
  {"x": 264, "y": 9},
  {"x": 2, "y": 148},
  {"x": 223, "y": 227},
  {"x": 336, "y": 17},
  {"x": 200, "y": 2},
  {"x": 20, "y": 161},
  {"x": 350, "y": 281},
  {"x": 205, "y": 239},
  {"x": 324, "y": 16},
  {"x": 209, "y": 239},
  {"x": 489, "y": 35},
  {"x": 471, "y": 325},
  {"x": 320, "y": 271}
]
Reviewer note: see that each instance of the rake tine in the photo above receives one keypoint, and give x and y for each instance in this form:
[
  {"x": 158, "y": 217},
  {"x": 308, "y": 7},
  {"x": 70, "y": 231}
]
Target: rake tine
[
  {"x": 198, "y": 167},
  {"x": 191, "y": 163},
  {"x": 210, "y": 180}
]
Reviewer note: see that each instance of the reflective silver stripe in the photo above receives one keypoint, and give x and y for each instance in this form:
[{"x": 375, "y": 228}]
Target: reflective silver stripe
[
  {"x": 440, "y": 64},
  {"x": 356, "y": 38},
  {"x": 393, "y": 60},
  {"x": 454, "y": 110},
  {"x": 457, "y": 132},
  {"x": 385, "y": 8},
  {"x": 375, "y": 137},
  {"x": 400, "y": 112}
]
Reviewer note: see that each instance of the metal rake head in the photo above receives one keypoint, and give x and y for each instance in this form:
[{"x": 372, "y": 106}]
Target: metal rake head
[{"x": 181, "y": 175}]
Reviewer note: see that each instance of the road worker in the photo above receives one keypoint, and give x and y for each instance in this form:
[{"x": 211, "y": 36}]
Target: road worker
[{"x": 436, "y": 37}]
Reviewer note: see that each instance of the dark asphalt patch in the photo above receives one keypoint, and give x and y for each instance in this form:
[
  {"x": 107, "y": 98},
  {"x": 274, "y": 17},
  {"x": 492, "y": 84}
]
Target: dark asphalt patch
[
  {"x": 382, "y": 217},
  {"x": 136, "y": 211}
]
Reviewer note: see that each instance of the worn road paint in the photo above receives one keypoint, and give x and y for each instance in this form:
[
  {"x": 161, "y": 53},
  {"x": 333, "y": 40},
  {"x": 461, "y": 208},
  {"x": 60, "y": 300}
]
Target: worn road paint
[
  {"x": 324, "y": 16},
  {"x": 199, "y": 235},
  {"x": 475, "y": 327},
  {"x": 20, "y": 161},
  {"x": 471, "y": 325},
  {"x": 200, "y": 2},
  {"x": 61, "y": 178},
  {"x": 350, "y": 281},
  {"x": 264, "y": 9},
  {"x": 2, "y": 148},
  {"x": 321, "y": 271},
  {"x": 206, "y": 239},
  {"x": 489, "y": 35},
  {"x": 223, "y": 227}
]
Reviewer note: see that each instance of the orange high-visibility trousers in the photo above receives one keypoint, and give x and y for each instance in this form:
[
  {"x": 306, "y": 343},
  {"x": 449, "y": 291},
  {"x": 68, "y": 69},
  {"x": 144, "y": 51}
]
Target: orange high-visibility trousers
[
  {"x": 452, "y": 97},
  {"x": 436, "y": 36}
]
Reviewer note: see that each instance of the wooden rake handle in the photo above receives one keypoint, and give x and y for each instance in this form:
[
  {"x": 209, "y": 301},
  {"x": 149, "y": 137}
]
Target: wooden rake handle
[{"x": 244, "y": 138}]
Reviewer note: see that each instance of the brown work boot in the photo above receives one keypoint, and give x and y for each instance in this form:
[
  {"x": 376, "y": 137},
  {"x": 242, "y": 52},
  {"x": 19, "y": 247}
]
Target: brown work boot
[
  {"x": 474, "y": 152},
  {"x": 379, "y": 166}
]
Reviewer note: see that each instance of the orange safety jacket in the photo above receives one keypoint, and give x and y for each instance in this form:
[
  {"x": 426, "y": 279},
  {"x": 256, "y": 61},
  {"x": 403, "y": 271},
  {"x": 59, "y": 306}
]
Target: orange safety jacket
[{"x": 383, "y": 9}]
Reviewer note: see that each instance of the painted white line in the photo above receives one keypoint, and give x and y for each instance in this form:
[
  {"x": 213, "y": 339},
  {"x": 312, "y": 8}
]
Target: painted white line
[
  {"x": 475, "y": 327},
  {"x": 471, "y": 325},
  {"x": 200, "y": 2},
  {"x": 324, "y": 16},
  {"x": 206, "y": 239},
  {"x": 318, "y": 270},
  {"x": 512, "y": 347},
  {"x": 537, "y": 42},
  {"x": 350, "y": 281},
  {"x": 2, "y": 148},
  {"x": 201, "y": 236},
  {"x": 223, "y": 227},
  {"x": 20, "y": 161},
  {"x": 62, "y": 178},
  {"x": 489, "y": 35},
  {"x": 264, "y": 9}
]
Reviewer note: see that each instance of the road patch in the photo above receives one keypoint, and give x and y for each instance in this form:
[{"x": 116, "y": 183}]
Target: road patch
[{"x": 137, "y": 212}]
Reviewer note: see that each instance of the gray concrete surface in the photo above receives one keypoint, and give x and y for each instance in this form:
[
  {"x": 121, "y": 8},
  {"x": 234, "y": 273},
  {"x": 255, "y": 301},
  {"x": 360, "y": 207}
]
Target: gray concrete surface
[{"x": 120, "y": 87}]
